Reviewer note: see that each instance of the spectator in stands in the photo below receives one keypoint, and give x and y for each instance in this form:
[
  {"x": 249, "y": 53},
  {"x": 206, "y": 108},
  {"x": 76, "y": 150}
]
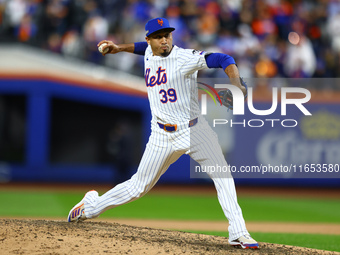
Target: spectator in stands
[{"x": 245, "y": 29}]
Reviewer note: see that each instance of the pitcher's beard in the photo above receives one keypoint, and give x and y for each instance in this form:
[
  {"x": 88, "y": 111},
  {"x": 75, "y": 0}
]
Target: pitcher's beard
[{"x": 166, "y": 53}]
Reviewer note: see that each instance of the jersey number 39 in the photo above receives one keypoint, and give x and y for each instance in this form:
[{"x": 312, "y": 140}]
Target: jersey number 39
[{"x": 169, "y": 95}]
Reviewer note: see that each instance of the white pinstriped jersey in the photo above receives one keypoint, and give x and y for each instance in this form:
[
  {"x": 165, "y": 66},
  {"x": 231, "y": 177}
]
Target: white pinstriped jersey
[
  {"x": 173, "y": 96},
  {"x": 171, "y": 84}
]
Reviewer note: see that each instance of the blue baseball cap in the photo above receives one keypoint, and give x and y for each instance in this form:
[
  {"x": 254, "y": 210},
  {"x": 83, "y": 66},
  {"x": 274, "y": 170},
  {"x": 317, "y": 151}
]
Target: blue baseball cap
[{"x": 157, "y": 24}]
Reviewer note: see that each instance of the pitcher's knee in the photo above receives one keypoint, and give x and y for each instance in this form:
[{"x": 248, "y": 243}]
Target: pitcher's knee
[
  {"x": 138, "y": 191},
  {"x": 138, "y": 186}
]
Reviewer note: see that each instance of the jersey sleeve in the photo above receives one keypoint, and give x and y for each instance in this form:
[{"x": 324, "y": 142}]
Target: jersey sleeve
[
  {"x": 140, "y": 48},
  {"x": 191, "y": 61},
  {"x": 148, "y": 51},
  {"x": 219, "y": 60}
]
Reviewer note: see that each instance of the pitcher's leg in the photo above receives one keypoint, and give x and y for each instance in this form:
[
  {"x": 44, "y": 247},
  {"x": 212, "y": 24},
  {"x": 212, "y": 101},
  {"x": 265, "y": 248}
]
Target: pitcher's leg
[
  {"x": 155, "y": 161},
  {"x": 206, "y": 151},
  {"x": 227, "y": 198}
]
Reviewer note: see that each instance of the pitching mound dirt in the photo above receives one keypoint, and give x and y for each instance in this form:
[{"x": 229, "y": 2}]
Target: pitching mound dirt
[{"x": 58, "y": 237}]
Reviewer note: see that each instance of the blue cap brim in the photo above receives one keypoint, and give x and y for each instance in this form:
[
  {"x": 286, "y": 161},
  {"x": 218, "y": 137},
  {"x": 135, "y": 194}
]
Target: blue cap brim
[{"x": 170, "y": 29}]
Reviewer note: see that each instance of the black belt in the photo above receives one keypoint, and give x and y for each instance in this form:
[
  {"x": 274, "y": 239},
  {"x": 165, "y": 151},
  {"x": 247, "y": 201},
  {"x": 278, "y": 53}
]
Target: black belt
[{"x": 173, "y": 127}]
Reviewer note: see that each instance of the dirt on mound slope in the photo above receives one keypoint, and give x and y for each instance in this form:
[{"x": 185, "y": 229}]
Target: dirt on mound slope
[{"x": 58, "y": 237}]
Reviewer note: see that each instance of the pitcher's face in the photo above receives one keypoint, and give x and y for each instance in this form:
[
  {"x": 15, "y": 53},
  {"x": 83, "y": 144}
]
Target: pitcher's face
[{"x": 161, "y": 43}]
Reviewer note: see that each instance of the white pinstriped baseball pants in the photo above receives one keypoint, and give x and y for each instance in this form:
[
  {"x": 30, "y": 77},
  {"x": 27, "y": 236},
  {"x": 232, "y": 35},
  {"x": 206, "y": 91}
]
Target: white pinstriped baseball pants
[{"x": 163, "y": 149}]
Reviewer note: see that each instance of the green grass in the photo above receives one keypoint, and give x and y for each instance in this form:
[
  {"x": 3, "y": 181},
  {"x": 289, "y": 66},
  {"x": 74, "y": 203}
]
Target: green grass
[
  {"x": 36, "y": 204},
  {"x": 153, "y": 206},
  {"x": 208, "y": 208},
  {"x": 288, "y": 209},
  {"x": 321, "y": 242}
]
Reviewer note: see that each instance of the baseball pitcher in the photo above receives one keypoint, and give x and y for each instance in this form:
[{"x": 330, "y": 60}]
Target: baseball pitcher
[{"x": 177, "y": 126}]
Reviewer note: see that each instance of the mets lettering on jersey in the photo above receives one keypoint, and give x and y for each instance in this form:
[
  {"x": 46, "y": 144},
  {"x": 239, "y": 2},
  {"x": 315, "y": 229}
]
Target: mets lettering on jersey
[
  {"x": 161, "y": 77},
  {"x": 171, "y": 84}
]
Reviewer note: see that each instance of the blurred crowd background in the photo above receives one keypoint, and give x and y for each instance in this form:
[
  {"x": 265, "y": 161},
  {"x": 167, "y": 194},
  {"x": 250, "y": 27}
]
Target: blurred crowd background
[{"x": 268, "y": 38}]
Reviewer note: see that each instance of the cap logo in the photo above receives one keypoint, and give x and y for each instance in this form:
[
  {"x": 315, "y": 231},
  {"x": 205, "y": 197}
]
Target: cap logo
[{"x": 160, "y": 22}]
